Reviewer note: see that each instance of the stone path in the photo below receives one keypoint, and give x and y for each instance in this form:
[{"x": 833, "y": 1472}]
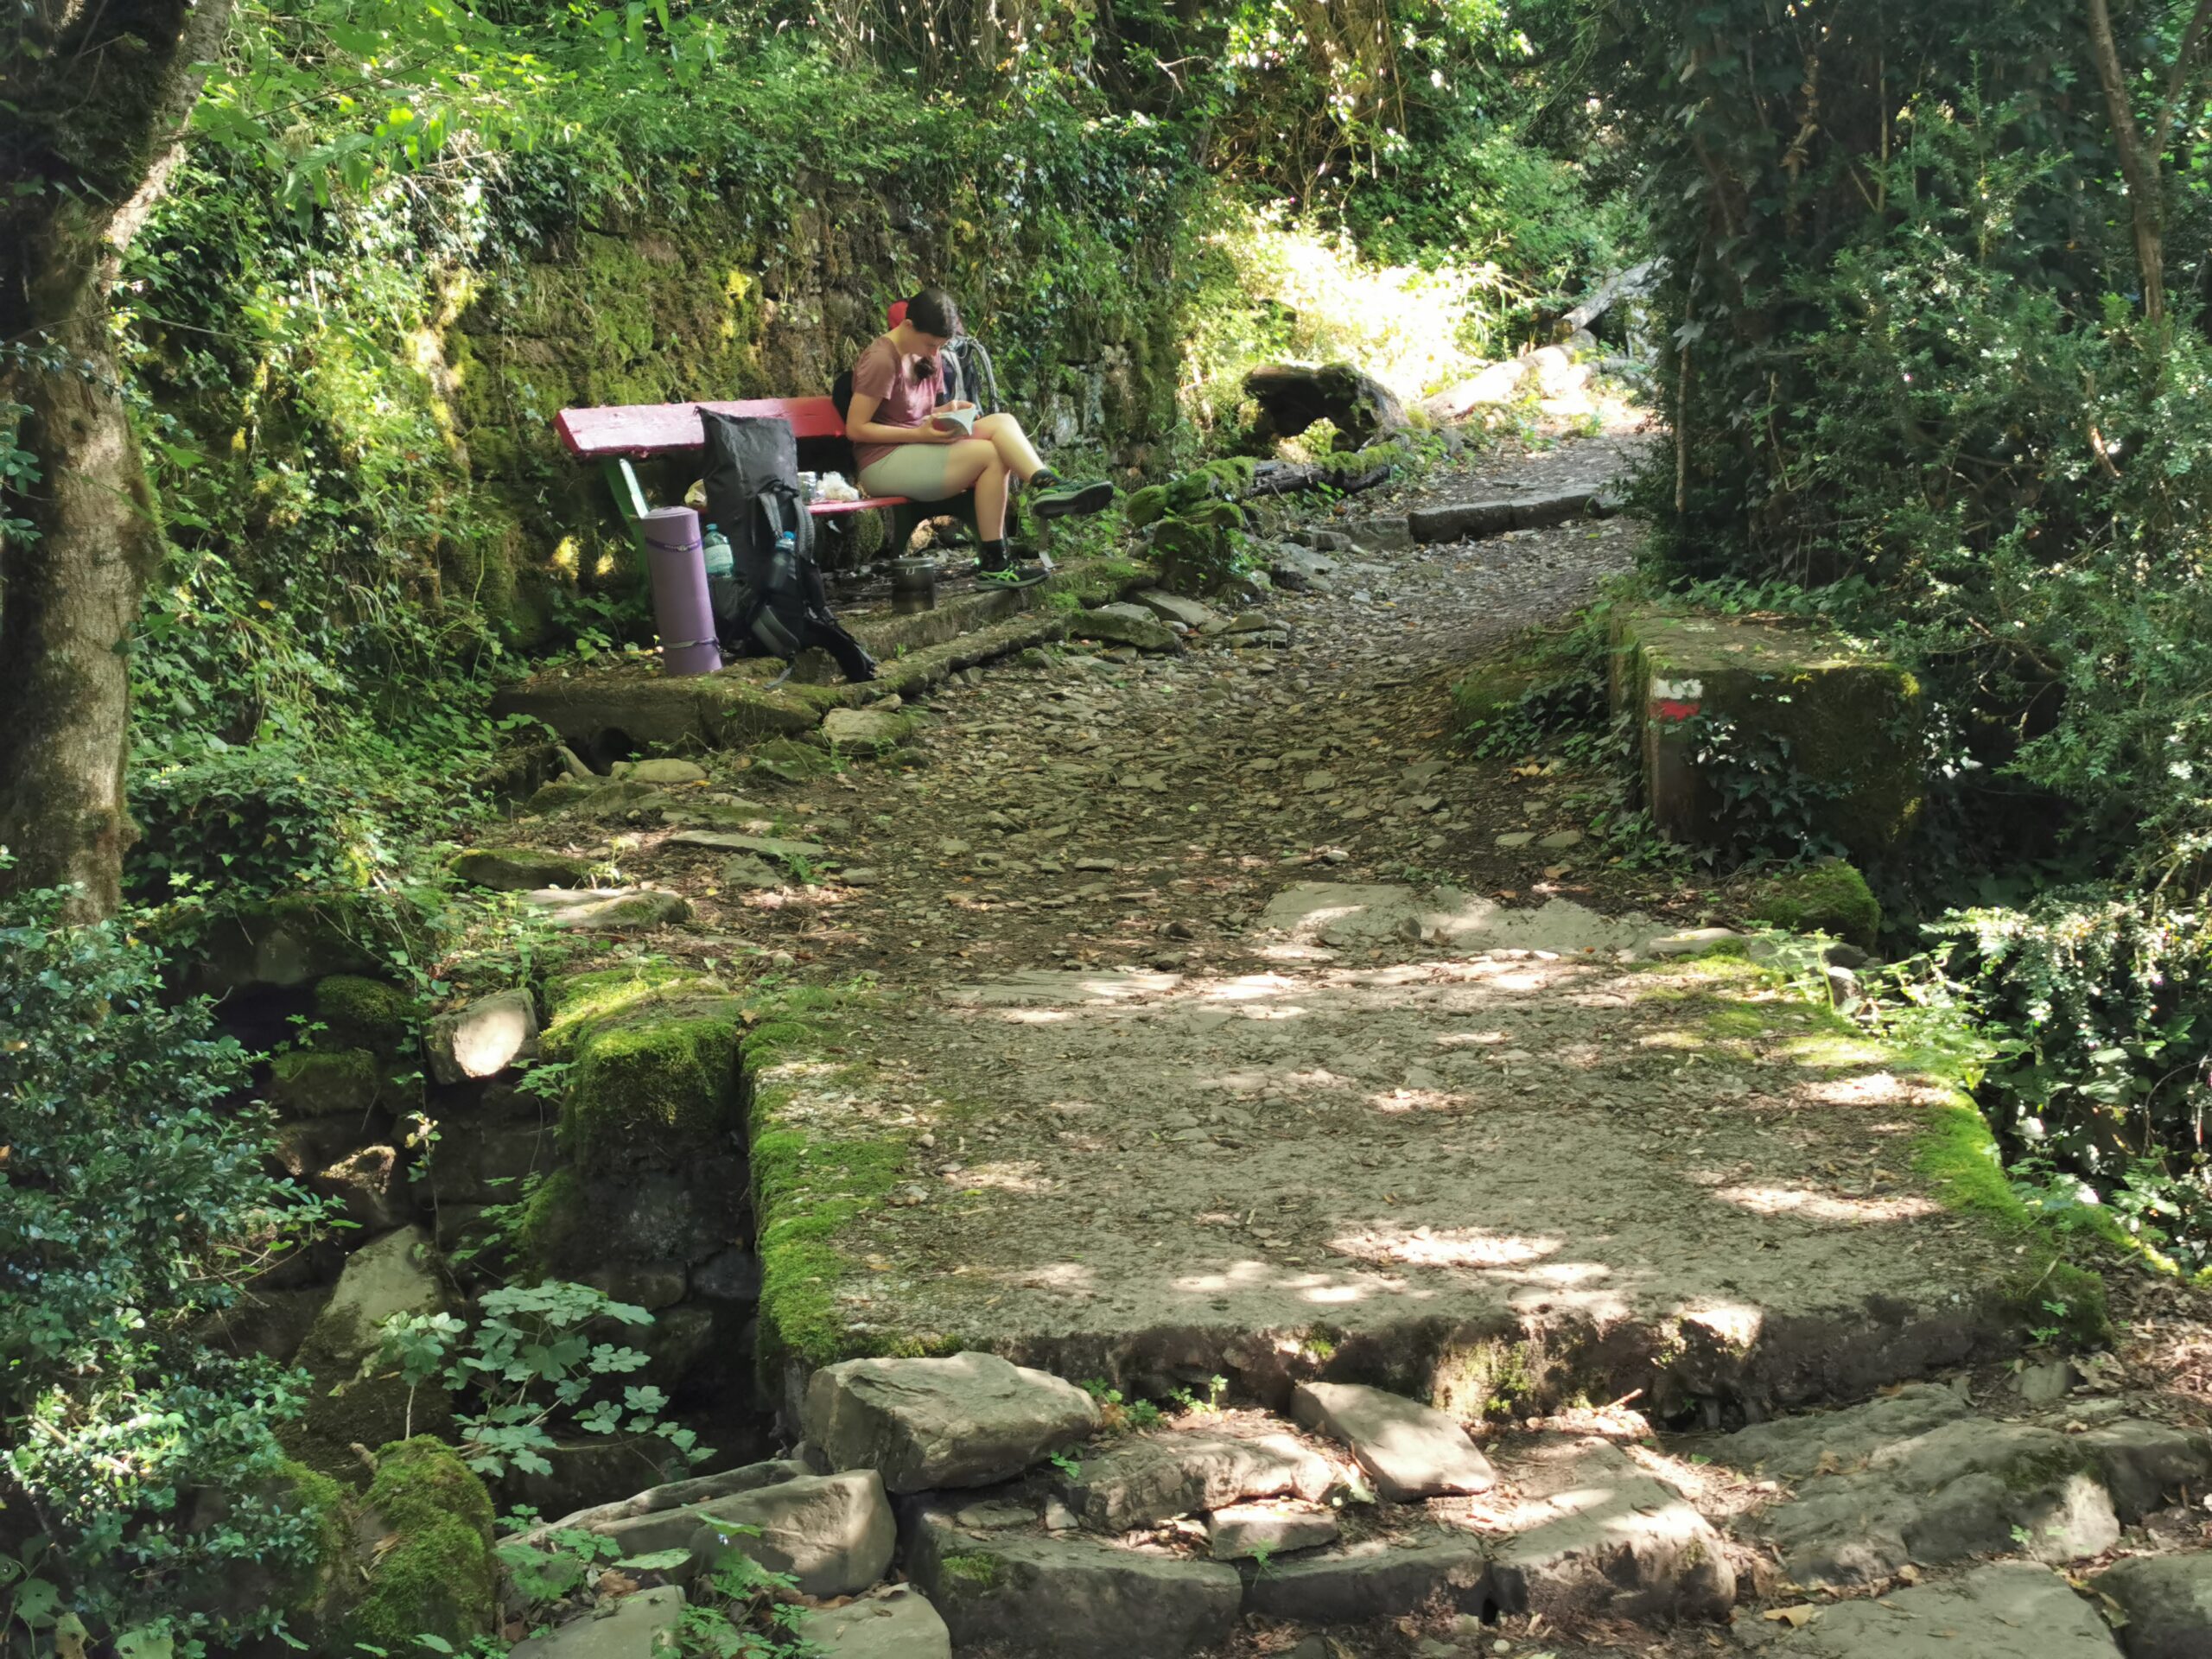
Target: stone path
[{"x": 1210, "y": 1016}]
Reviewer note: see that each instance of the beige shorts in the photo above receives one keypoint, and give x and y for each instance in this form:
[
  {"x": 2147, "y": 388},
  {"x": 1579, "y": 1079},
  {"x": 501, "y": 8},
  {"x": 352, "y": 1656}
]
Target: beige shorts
[{"x": 915, "y": 470}]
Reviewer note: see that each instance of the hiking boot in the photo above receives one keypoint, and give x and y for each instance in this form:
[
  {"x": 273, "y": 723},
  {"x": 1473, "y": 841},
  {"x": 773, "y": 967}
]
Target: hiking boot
[
  {"x": 1071, "y": 500},
  {"x": 1009, "y": 576}
]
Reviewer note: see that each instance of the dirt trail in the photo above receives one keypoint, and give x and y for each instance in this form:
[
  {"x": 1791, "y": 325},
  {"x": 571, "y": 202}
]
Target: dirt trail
[
  {"x": 1215, "y": 1032},
  {"x": 1143, "y": 811}
]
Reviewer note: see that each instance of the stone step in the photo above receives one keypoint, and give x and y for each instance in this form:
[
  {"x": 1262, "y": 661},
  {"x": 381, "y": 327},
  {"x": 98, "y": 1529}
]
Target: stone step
[
  {"x": 1458, "y": 521},
  {"x": 605, "y": 714},
  {"x": 1920, "y": 1479},
  {"x": 1036, "y": 1597}
]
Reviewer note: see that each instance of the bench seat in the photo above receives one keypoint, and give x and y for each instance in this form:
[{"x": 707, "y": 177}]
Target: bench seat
[{"x": 618, "y": 434}]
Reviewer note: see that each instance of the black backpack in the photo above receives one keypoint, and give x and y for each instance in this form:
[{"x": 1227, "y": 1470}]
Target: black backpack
[{"x": 774, "y": 603}]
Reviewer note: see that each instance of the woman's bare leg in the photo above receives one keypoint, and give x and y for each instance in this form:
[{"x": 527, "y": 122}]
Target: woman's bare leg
[
  {"x": 1012, "y": 444},
  {"x": 974, "y": 463},
  {"x": 990, "y": 501}
]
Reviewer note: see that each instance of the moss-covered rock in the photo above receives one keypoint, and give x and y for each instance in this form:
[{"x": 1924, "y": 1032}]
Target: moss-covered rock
[
  {"x": 354, "y": 1398},
  {"x": 654, "y": 1055},
  {"x": 425, "y": 1537},
  {"x": 1831, "y": 897},
  {"x": 1845, "y": 720},
  {"x": 335, "y": 1082},
  {"x": 793, "y": 761},
  {"x": 520, "y": 869},
  {"x": 1146, "y": 505},
  {"x": 357, "y": 1012},
  {"x": 291, "y": 941}
]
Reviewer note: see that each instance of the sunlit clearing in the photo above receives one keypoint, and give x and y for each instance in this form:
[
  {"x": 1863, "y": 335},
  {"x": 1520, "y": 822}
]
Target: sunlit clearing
[
  {"x": 1396, "y": 1101},
  {"x": 1825, "y": 1206},
  {"x": 1734, "y": 1323},
  {"x": 1873, "y": 1089},
  {"x": 1002, "y": 1178},
  {"x": 1249, "y": 988},
  {"x": 1451, "y": 1247},
  {"x": 1122, "y": 987}
]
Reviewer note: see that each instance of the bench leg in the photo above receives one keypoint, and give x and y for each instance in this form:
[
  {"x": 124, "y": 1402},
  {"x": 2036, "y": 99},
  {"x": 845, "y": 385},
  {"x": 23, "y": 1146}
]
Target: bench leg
[{"x": 629, "y": 500}]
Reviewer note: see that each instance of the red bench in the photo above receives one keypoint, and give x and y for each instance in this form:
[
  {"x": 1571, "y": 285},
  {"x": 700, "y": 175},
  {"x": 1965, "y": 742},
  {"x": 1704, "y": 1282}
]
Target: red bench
[{"x": 623, "y": 433}]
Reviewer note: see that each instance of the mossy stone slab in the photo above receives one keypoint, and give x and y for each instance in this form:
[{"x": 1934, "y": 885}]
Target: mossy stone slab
[
  {"x": 1851, "y": 719},
  {"x": 519, "y": 869}
]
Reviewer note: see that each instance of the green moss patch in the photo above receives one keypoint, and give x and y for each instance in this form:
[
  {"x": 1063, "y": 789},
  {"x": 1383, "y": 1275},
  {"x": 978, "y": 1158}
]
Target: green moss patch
[
  {"x": 1829, "y": 898},
  {"x": 338, "y": 1083},
  {"x": 358, "y": 1012},
  {"x": 813, "y": 1178},
  {"x": 655, "y": 1053},
  {"x": 427, "y": 1522}
]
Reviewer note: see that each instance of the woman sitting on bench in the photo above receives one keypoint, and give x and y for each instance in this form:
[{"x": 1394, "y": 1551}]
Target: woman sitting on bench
[{"x": 905, "y": 447}]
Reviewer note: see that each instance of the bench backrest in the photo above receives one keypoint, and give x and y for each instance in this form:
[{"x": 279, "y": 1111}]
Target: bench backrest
[{"x": 634, "y": 430}]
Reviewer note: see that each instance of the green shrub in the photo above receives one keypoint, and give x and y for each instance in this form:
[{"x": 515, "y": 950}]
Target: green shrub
[{"x": 134, "y": 1198}]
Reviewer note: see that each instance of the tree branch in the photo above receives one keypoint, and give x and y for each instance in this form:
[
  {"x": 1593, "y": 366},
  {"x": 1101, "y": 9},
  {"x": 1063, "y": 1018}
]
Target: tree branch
[{"x": 2191, "y": 38}]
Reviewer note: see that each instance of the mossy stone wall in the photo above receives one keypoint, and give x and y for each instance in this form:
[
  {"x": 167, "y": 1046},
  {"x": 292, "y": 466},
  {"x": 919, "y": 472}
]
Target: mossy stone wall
[{"x": 715, "y": 307}]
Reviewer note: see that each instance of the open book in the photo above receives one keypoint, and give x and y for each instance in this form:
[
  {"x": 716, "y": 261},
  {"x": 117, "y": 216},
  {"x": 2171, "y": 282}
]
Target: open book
[{"x": 947, "y": 419}]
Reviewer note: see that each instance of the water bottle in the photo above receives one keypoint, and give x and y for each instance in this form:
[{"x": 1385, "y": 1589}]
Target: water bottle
[
  {"x": 715, "y": 546},
  {"x": 724, "y": 592}
]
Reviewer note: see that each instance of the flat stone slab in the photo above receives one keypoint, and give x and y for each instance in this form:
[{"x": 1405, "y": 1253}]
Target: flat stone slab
[
  {"x": 1124, "y": 624},
  {"x": 876, "y": 728},
  {"x": 1173, "y": 607},
  {"x": 673, "y": 1513},
  {"x": 1598, "y": 1537},
  {"x": 2168, "y": 1601},
  {"x": 1921, "y": 1478},
  {"x": 1263, "y": 1531},
  {"x": 969, "y": 1421},
  {"x": 896, "y": 1624},
  {"x": 1409, "y": 1450},
  {"x": 1347, "y": 915},
  {"x": 607, "y": 910},
  {"x": 1458, "y": 521},
  {"x": 774, "y": 847},
  {"x": 834, "y": 1534},
  {"x": 1075, "y": 1598},
  {"x": 1146, "y": 1479},
  {"x": 1377, "y": 1579},
  {"x": 1681, "y": 1181},
  {"x": 519, "y": 869},
  {"x": 2008, "y": 1611},
  {"x": 667, "y": 772},
  {"x": 642, "y": 1626}
]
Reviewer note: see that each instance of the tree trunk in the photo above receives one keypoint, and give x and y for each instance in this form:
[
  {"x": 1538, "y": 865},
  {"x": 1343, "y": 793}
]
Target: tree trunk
[
  {"x": 2139, "y": 165},
  {"x": 101, "y": 93}
]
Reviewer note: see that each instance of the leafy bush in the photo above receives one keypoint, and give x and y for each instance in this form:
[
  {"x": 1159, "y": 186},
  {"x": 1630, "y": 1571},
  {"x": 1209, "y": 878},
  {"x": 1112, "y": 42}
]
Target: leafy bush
[
  {"x": 1919, "y": 370},
  {"x": 134, "y": 1199},
  {"x": 531, "y": 1361}
]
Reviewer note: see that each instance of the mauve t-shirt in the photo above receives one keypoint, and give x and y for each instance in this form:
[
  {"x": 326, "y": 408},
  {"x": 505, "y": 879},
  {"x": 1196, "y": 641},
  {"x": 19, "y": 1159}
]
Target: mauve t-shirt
[{"x": 884, "y": 373}]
